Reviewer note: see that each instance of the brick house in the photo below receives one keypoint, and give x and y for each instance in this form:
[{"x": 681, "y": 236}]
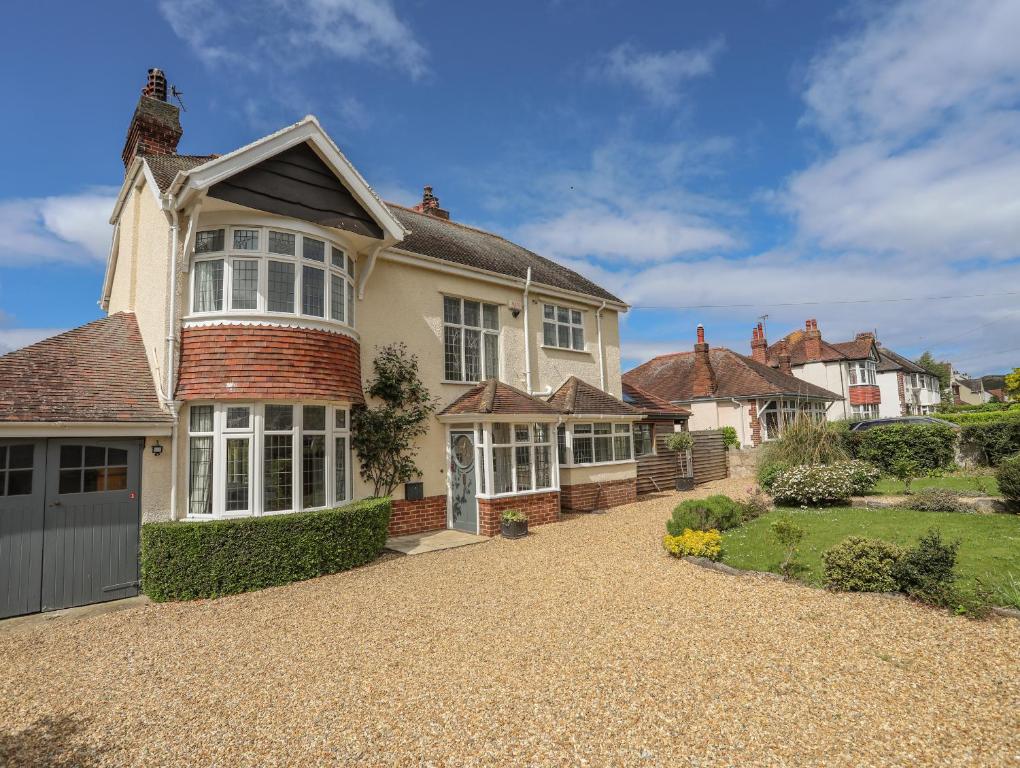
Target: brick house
[
  {"x": 246, "y": 293},
  {"x": 721, "y": 388}
]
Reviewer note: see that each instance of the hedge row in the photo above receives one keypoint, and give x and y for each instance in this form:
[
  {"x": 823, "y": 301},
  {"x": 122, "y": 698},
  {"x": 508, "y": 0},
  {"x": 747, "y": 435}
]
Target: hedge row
[
  {"x": 981, "y": 417},
  {"x": 187, "y": 560},
  {"x": 932, "y": 446},
  {"x": 992, "y": 441}
]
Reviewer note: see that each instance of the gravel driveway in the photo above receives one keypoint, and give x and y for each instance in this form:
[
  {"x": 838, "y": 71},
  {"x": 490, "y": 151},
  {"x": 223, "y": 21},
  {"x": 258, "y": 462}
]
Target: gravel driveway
[{"x": 583, "y": 644}]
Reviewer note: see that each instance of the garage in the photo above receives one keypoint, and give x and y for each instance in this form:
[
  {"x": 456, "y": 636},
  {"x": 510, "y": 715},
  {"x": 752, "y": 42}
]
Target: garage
[{"x": 69, "y": 521}]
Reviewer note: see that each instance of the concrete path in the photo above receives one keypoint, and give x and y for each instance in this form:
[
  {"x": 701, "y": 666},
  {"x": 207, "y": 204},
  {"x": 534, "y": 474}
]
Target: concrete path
[
  {"x": 432, "y": 541},
  {"x": 66, "y": 615}
]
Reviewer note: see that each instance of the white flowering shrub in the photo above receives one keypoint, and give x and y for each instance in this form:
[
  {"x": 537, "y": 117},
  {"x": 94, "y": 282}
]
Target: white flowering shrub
[{"x": 812, "y": 485}]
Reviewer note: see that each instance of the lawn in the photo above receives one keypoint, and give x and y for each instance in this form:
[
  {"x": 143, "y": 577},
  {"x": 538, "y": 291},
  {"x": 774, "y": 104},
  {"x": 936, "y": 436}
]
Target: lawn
[
  {"x": 969, "y": 483},
  {"x": 989, "y": 544}
]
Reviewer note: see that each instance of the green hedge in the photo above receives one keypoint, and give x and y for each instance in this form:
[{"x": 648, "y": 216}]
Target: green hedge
[
  {"x": 992, "y": 441},
  {"x": 932, "y": 446},
  {"x": 187, "y": 560},
  {"x": 981, "y": 417}
]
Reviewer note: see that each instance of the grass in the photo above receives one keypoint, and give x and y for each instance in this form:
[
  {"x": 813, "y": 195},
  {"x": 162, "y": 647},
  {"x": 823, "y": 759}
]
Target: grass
[
  {"x": 969, "y": 483},
  {"x": 989, "y": 544}
]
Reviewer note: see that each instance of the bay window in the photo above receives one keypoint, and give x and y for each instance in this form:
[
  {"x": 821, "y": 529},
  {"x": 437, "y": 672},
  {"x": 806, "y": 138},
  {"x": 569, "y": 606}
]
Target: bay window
[
  {"x": 600, "y": 442},
  {"x": 779, "y": 414},
  {"x": 861, "y": 412},
  {"x": 862, "y": 372},
  {"x": 518, "y": 458},
  {"x": 470, "y": 340},
  {"x": 252, "y": 459},
  {"x": 267, "y": 270},
  {"x": 562, "y": 327}
]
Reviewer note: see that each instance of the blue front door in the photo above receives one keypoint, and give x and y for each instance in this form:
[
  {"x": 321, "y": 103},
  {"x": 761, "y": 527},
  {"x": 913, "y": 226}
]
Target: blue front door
[{"x": 463, "y": 504}]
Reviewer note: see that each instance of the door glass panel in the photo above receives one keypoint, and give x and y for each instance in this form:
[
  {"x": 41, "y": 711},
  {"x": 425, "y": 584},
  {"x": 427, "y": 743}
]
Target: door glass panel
[
  {"x": 20, "y": 456},
  {"x": 117, "y": 456},
  {"x": 19, "y": 483},
  {"x": 95, "y": 455},
  {"x": 70, "y": 456},
  {"x": 116, "y": 478},
  {"x": 70, "y": 481},
  {"x": 94, "y": 479}
]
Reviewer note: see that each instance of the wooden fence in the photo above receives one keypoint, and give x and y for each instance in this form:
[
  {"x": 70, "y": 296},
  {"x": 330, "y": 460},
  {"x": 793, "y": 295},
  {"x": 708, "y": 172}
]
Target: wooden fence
[{"x": 710, "y": 461}]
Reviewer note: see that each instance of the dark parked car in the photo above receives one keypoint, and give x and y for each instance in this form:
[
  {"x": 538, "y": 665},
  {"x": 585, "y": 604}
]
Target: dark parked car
[{"x": 872, "y": 423}]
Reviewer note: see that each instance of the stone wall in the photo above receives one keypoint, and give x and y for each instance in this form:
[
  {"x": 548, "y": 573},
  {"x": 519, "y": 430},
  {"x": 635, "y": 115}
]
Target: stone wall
[{"x": 744, "y": 462}]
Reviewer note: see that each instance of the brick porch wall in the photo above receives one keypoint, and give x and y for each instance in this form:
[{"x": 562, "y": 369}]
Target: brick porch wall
[
  {"x": 586, "y": 497},
  {"x": 756, "y": 425},
  {"x": 540, "y": 508},
  {"x": 429, "y": 514}
]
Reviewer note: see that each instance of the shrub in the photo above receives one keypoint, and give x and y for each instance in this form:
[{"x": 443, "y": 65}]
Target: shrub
[
  {"x": 695, "y": 544},
  {"x": 729, "y": 437},
  {"x": 768, "y": 473},
  {"x": 804, "y": 441},
  {"x": 1008, "y": 478},
  {"x": 186, "y": 560},
  {"x": 905, "y": 470},
  {"x": 513, "y": 516},
  {"x": 930, "y": 446},
  {"x": 936, "y": 500},
  {"x": 857, "y": 564},
  {"x": 827, "y": 484},
  {"x": 755, "y": 505},
  {"x": 993, "y": 441},
  {"x": 680, "y": 441},
  {"x": 714, "y": 513},
  {"x": 926, "y": 571},
  {"x": 789, "y": 535}
]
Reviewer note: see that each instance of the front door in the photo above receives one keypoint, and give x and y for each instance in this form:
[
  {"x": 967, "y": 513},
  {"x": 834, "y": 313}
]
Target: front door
[
  {"x": 463, "y": 503},
  {"x": 22, "y": 493}
]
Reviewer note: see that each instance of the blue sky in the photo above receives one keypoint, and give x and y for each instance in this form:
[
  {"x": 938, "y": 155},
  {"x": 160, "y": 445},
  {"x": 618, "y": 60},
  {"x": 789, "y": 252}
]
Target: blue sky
[{"x": 710, "y": 162}]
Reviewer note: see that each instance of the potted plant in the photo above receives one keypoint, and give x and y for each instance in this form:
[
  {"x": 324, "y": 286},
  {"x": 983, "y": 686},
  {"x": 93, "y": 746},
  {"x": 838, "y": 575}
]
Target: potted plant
[
  {"x": 513, "y": 524},
  {"x": 682, "y": 442}
]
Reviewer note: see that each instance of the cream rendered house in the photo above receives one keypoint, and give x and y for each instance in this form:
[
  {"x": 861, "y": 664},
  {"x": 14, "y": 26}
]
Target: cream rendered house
[{"x": 247, "y": 294}]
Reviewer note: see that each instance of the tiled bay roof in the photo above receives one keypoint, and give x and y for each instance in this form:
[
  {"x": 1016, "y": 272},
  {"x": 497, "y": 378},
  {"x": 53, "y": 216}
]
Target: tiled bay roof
[
  {"x": 496, "y": 398},
  {"x": 97, "y": 372},
  {"x": 671, "y": 378},
  {"x": 578, "y": 397}
]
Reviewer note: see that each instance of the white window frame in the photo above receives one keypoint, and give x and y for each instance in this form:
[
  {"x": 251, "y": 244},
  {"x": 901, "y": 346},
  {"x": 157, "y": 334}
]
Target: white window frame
[
  {"x": 485, "y": 478},
  {"x": 862, "y": 372},
  {"x": 572, "y": 437},
  {"x": 787, "y": 411},
  {"x": 570, "y": 324},
  {"x": 343, "y": 269},
  {"x": 256, "y": 434},
  {"x": 864, "y": 412},
  {"x": 484, "y": 332}
]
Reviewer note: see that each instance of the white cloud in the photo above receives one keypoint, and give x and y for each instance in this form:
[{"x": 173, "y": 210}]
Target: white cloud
[
  {"x": 16, "y": 338},
  {"x": 270, "y": 34},
  {"x": 65, "y": 228},
  {"x": 658, "y": 75}
]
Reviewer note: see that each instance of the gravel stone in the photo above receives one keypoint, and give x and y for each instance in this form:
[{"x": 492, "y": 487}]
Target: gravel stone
[{"x": 583, "y": 644}]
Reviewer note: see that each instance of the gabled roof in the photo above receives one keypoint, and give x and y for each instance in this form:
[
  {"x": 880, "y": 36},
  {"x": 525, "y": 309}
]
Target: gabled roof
[
  {"x": 798, "y": 356},
  {"x": 671, "y": 378},
  {"x": 858, "y": 349},
  {"x": 165, "y": 168},
  {"x": 577, "y": 397},
  {"x": 651, "y": 404},
  {"x": 97, "y": 372},
  {"x": 891, "y": 361},
  {"x": 493, "y": 397}
]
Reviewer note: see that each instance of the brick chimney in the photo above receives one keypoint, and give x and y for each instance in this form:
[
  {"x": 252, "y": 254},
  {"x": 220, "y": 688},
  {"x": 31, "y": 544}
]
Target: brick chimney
[
  {"x": 784, "y": 359},
  {"x": 812, "y": 340},
  {"x": 759, "y": 345},
  {"x": 704, "y": 376},
  {"x": 156, "y": 125},
  {"x": 429, "y": 205},
  {"x": 865, "y": 335}
]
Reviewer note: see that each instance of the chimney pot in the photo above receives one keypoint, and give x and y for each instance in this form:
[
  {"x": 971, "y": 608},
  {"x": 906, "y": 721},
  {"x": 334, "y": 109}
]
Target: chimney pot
[
  {"x": 155, "y": 87},
  {"x": 430, "y": 204},
  {"x": 759, "y": 346},
  {"x": 701, "y": 333},
  {"x": 155, "y": 127}
]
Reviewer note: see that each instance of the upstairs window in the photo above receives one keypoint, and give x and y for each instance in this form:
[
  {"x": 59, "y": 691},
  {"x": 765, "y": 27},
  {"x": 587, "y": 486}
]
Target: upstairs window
[
  {"x": 862, "y": 372},
  {"x": 258, "y": 270},
  {"x": 470, "y": 340},
  {"x": 562, "y": 327}
]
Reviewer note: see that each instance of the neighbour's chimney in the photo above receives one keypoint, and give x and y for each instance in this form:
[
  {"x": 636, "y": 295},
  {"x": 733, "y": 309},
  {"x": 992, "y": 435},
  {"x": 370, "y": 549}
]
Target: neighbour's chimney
[
  {"x": 704, "y": 376},
  {"x": 784, "y": 358},
  {"x": 759, "y": 345},
  {"x": 865, "y": 335},
  {"x": 812, "y": 340},
  {"x": 430, "y": 205},
  {"x": 156, "y": 125}
]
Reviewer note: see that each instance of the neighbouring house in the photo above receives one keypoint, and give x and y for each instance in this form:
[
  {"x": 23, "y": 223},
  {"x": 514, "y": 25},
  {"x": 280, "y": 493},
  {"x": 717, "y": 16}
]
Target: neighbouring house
[
  {"x": 721, "y": 388},
  {"x": 246, "y": 294},
  {"x": 968, "y": 391},
  {"x": 906, "y": 388}
]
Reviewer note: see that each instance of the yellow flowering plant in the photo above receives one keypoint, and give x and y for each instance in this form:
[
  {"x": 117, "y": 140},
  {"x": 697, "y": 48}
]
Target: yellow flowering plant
[{"x": 706, "y": 544}]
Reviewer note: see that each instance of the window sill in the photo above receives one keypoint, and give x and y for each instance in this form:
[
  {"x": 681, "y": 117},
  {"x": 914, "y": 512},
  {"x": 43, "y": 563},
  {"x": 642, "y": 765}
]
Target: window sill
[
  {"x": 461, "y": 383},
  {"x": 567, "y": 349},
  {"x": 513, "y": 494},
  {"x": 599, "y": 464}
]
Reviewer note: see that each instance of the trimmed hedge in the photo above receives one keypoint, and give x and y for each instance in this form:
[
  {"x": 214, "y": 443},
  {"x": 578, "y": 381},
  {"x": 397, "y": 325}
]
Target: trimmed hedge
[
  {"x": 1008, "y": 478},
  {"x": 718, "y": 512},
  {"x": 932, "y": 446},
  {"x": 187, "y": 560},
  {"x": 992, "y": 440}
]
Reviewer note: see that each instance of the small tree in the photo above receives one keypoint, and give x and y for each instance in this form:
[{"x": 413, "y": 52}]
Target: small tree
[
  {"x": 1012, "y": 383},
  {"x": 680, "y": 443},
  {"x": 940, "y": 371},
  {"x": 789, "y": 535},
  {"x": 385, "y": 436},
  {"x": 905, "y": 470}
]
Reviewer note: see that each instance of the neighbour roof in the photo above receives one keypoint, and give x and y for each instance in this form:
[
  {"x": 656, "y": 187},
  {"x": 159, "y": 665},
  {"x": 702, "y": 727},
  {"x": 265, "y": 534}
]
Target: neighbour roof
[
  {"x": 97, "y": 372},
  {"x": 578, "y": 397},
  {"x": 671, "y": 378},
  {"x": 795, "y": 348},
  {"x": 891, "y": 361},
  {"x": 437, "y": 238},
  {"x": 649, "y": 403},
  {"x": 494, "y": 397},
  {"x": 858, "y": 349}
]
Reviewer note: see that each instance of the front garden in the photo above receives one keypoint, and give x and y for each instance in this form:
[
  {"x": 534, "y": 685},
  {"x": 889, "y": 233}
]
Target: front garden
[{"x": 801, "y": 524}]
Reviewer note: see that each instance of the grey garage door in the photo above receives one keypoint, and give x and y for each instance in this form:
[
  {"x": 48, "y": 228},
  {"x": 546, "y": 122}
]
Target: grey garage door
[{"x": 69, "y": 516}]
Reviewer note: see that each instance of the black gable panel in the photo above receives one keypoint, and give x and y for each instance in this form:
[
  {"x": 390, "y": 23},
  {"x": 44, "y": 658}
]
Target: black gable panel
[{"x": 298, "y": 184}]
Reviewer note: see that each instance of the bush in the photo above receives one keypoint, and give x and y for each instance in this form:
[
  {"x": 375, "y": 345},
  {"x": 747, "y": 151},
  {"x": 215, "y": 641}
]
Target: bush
[
  {"x": 993, "y": 441},
  {"x": 825, "y": 484},
  {"x": 930, "y": 446},
  {"x": 187, "y": 560},
  {"x": 768, "y": 473},
  {"x": 857, "y": 564},
  {"x": 680, "y": 441},
  {"x": 905, "y": 470},
  {"x": 789, "y": 535},
  {"x": 714, "y": 513},
  {"x": 936, "y": 500},
  {"x": 695, "y": 544},
  {"x": 729, "y": 437},
  {"x": 804, "y": 441},
  {"x": 755, "y": 505},
  {"x": 926, "y": 571},
  {"x": 1008, "y": 478}
]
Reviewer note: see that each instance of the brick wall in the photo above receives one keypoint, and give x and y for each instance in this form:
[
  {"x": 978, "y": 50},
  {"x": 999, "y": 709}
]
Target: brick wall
[
  {"x": 752, "y": 412},
  {"x": 865, "y": 394},
  {"x": 901, "y": 390},
  {"x": 586, "y": 497},
  {"x": 540, "y": 508},
  {"x": 428, "y": 514}
]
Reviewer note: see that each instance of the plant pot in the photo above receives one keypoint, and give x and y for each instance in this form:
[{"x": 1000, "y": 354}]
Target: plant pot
[
  {"x": 514, "y": 530},
  {"x": 685, "y": 483}
]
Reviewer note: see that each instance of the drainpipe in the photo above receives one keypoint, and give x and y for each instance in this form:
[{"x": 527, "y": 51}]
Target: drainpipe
[
  {"x": 598, "y": 325},
  {"x": 740, "y": 413},
  {"x": 527, "y": 336},
  {"x": 171, "y": 337}
]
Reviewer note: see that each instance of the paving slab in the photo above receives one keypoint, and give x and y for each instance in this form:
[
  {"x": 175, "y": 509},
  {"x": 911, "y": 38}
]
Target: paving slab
[{"x": 432, "y": 541}]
